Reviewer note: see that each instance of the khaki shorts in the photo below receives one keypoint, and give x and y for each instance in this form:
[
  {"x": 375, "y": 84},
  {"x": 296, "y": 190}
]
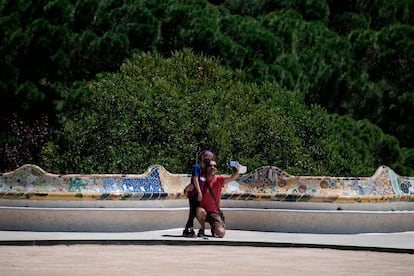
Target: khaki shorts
[{"x": 214, "y": 220}]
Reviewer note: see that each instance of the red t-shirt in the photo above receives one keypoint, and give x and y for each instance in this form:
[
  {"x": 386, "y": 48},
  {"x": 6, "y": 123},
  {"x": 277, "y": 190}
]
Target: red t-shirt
[{"x": 208, "y": 202}]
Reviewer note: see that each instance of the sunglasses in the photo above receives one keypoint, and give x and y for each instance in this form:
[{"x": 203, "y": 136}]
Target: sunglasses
[{"x": 212, "y": 165}]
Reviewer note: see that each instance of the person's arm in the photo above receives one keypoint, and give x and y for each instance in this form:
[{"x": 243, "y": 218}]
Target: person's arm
[{"x": 234, "y": 176}]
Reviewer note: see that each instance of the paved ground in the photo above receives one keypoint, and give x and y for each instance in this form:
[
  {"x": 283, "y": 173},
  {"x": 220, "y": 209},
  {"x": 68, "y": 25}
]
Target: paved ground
[{"x": 239, "y": 253}]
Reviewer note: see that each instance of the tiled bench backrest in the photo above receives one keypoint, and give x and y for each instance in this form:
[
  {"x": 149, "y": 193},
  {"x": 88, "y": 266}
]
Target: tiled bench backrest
[{"x": 265, "y": 183}]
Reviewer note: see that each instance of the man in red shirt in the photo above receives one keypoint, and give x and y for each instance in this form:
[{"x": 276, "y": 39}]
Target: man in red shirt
[{"x": 208, "y": 211}]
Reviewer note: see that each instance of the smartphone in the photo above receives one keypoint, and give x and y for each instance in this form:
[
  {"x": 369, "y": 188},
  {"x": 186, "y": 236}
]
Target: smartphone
[{"x": 234, "y": 163}]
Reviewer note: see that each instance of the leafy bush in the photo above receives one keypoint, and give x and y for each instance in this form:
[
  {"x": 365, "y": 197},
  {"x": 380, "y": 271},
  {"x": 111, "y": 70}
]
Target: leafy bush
[{"x": 164, "y": 110}]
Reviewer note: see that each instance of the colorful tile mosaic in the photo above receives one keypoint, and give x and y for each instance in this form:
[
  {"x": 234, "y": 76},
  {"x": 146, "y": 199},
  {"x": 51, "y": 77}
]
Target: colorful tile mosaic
[{"x": 263, "y": 184}]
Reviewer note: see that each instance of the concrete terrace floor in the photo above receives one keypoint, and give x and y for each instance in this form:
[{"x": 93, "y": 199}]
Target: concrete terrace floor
[{"x": 166, "y": 252}]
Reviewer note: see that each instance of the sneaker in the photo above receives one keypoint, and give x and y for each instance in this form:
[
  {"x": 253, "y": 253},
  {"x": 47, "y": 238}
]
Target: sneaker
[
  {"x": 200, "y": 233},
  {"x": 188, "y": 233}
]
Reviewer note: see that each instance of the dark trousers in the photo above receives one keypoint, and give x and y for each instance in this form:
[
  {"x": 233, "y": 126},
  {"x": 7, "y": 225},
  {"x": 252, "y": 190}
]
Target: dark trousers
[{"x": 194, "y": 203}]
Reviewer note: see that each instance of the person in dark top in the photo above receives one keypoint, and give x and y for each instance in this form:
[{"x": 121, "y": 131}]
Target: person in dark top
[{"x": 194, "y": 189}]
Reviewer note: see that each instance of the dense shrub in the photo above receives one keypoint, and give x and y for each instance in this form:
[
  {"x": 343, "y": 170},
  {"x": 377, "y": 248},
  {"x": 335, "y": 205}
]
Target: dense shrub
[{"x": 164, "y": 110}]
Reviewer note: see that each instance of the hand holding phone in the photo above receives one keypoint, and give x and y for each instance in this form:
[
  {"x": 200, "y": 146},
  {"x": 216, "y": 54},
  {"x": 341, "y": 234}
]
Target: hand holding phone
[{"x": 242, "y": 169}]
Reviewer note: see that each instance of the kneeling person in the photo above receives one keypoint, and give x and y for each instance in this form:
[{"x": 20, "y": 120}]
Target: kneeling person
[{"x": 210, "y": 205}]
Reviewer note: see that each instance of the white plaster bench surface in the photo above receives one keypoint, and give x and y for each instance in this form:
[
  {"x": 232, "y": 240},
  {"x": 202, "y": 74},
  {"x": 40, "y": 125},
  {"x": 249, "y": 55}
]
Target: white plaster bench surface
[{"x": 266, "y": 199}]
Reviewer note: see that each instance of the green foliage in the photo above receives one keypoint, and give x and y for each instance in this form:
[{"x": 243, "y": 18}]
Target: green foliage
[
  {"x": 47, "y": 45},
  {"x": 64, "y": 41},
  {"x": 164, "y": 110},
  {"x": 384, "y": 93},
  {"x": 351, "y": 57},
  {"x": 25, "y": 143}
]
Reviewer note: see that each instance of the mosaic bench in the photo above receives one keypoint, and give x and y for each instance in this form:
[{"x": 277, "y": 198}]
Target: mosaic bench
[{"x": 267, "y": 190}]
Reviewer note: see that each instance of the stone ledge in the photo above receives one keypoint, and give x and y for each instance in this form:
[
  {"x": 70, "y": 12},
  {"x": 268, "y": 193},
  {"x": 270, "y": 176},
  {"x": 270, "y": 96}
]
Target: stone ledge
[{"x": 146, "y": 219}]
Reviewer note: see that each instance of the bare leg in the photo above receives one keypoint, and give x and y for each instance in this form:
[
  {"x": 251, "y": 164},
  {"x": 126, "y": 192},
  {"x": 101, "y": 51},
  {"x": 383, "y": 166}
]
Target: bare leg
[
  {"x": 220, "y": 232},
  {"x": 201, "y": 217}
]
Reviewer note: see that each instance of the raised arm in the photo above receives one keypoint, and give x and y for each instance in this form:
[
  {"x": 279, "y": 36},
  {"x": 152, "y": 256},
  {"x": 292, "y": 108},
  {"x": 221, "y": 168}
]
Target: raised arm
[{"x": 234, "y": 176}]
